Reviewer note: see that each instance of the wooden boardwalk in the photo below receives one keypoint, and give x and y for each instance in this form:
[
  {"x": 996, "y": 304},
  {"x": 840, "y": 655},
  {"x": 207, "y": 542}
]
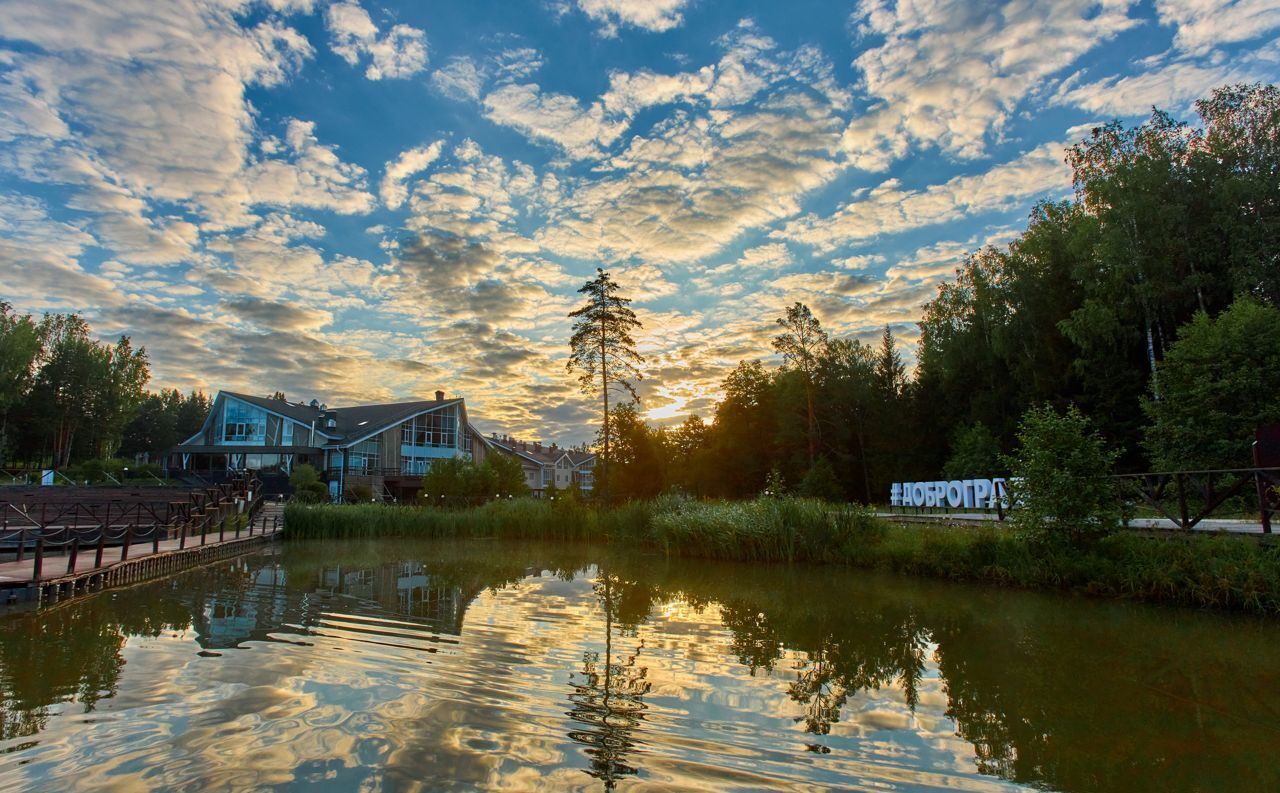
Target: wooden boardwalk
[{"x": 94, "y": 569}]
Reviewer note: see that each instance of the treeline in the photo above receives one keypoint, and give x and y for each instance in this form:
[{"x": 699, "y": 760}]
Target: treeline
[
  {"x": 1148, "y": 301},
  {"x": 66, "y": 398}
]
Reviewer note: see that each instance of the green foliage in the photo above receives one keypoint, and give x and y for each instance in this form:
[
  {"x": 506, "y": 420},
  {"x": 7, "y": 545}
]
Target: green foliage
[
  {"x": 1060, "y": 478},
  {"x": 774, "y": 485},
  {"x": 359, "y": 494},
  {"x": 975, "y": 452},
  {"x": 306, "y": 484},
  {"x": 507, "y": 474},
  {"x": 457, "y": 482},
  {"x": 820, "y": 482},
  {"x": 603, "y": 353},
  {"x": 1219, "y": 382}
]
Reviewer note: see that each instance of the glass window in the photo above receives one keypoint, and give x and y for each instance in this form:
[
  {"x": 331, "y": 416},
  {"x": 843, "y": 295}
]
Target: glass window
[
  {"x": 286, "y": 435},
  {"x": 363, "y": 457},
  {"x": 243, "y": 423},
  {"x": 435, "y": 430}
]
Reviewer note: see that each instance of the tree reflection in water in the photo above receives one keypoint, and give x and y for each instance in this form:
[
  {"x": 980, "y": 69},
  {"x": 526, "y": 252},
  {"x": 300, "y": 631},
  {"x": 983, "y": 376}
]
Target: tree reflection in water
[
  {"x": 608, "y": 697},
  {"x": 1064, "y": 693}
]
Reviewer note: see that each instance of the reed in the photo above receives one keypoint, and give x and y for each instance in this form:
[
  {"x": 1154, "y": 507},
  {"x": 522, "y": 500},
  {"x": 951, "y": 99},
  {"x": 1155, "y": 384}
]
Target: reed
[{"x": 1217, "y": 571}]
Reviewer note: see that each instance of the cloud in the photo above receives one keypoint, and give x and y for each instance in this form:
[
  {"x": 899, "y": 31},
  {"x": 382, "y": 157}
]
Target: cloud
[
  {"x": 562, "y": 120},
  {"x": 459, "y": 79},
  {"x": 402, "y": 52},
  {"x": 889, "y": 208},
  {"x": 1204, "y": 25},
  {"x": 276, "y": 316},
  {"x": 314, "y": 177},
  {"x": 1168, "y": 85},
  {"x": 947, "y": 74},
  {"x": 655, "y": 16},
  {"x": 407, "y": 164}
]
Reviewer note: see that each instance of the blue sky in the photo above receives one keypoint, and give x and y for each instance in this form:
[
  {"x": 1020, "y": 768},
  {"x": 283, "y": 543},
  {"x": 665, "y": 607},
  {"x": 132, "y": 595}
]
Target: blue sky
[{"x": 365, "y": 200}]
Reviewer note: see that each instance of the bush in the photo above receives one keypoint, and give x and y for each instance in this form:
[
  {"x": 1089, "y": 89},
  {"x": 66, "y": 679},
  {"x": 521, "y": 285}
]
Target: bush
[
  {"x": 1060, "y": 481},
  {"x": 820, "y": 482},
  {"x": 306, "y": 484},
  {"x": 975, "y": 452},
  {"x": 1219, "y": 382},
  {"x": 359, "y": 494}
]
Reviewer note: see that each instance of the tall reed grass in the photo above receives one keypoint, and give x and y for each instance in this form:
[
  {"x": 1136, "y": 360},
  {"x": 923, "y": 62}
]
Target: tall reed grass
[{"x": 1205, "y": 570}]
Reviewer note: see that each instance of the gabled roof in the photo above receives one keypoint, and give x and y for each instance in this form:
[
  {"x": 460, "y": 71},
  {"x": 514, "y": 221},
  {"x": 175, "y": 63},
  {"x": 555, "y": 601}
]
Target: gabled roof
[
  {"x": 352, "y": 423},
  {"x": 542, "y": 455},
  {"x": 297, "y": 411},
  {"x": 361, "y": 420}
]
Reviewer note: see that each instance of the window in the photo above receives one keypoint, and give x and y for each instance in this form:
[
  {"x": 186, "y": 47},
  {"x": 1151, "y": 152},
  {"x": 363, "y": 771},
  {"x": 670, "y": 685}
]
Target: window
[
  {"x": 243, "y": 423},
  {"x": 415, "y": 465},
  {"x": 286, "y": 435},
  {"x": 436, "y": 429},
  {"x": 363, "y": 457}
]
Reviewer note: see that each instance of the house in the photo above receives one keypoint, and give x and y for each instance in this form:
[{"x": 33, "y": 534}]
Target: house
[
  {"x": 546, "y": 464},
  {"x": 386, "y": 448}
]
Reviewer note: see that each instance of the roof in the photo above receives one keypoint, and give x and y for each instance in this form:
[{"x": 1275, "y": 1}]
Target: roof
[
  {"x": 353, "y": 423},
  {"x": 298, "y": 411},
  {"x": 544, "y": 455},
  {"x": 360, "y": 420}
]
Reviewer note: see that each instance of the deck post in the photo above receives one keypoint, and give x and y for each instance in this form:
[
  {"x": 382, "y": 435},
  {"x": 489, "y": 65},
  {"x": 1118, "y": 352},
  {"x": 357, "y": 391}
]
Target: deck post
[
  {"x": 74, "y": 552},
  {"x": 182, "y": 535},
  {"x": 1264, "y": 510},
  {"x": 38, "y": 562},
  {"x": 128, "y": 538},
  {"x": 102, "y": 543},
  {"x": 1184, "y": 519},
  {"x": 155, "y": 538},
  {"x": 22, "y": 544}
]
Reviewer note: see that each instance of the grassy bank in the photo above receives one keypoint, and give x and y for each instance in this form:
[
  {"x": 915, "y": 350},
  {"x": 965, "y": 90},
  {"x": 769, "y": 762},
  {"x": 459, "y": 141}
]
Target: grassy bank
[{"x": 1208, "y": 571}]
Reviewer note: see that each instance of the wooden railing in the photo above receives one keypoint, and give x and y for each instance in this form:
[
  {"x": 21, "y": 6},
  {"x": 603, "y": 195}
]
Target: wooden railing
[{"x": 48, "y": 536}]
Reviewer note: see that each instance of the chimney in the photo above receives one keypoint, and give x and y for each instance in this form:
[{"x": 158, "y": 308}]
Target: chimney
[
  {"x": 439, "y": 396},
  {"x": 537, "y": 446}
]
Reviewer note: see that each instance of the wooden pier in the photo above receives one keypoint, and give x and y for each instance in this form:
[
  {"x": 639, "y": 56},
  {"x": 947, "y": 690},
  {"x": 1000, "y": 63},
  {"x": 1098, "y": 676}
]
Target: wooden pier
[{"x": 54, "y": 561}]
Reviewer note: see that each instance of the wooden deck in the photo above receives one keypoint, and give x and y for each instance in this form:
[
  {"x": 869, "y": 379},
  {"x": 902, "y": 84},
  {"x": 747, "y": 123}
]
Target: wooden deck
[{"x": 93, "y": 569}]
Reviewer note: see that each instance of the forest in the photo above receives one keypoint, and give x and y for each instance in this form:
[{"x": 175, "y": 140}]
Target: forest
[
  {"x": 1148, "y": 301},
  {"x": 67, "y": 398}
]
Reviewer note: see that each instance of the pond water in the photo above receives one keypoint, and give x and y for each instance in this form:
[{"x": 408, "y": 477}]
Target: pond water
[{"x": 421, "y": 666}]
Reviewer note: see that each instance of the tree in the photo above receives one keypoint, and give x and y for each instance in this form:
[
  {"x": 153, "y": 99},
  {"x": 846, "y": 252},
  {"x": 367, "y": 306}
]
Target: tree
[
  {"x": 820, "y": 482},
  {"x": 603, "y": 352},
  {"x": 508, "y": 474},
  {"x": 1061, "y": 477},
  {"x": 1221, "y": 381},
  {"x": 891, "y": 374},
  {"x": 801, "y": 343},
  {"x": 278, "y": 396},
  {"x": 306, "y": 484},
  {"x": 975, "y": 452},
  {"x": 65, "y": 381},
  {"x": 20, "y": 348}
]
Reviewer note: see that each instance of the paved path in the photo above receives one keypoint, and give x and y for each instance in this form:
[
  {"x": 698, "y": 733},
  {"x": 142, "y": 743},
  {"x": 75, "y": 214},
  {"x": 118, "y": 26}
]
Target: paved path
[
  {"x": 1207, "y": 525},
  {"x": 55, "y": 566}
]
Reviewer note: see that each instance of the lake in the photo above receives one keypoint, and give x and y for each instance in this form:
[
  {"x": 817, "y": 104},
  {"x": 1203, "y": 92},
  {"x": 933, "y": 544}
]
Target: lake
[{"x": 397, "y": 665}]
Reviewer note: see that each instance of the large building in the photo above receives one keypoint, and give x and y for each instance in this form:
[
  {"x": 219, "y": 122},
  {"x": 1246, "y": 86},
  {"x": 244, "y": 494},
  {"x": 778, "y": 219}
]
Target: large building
[
  {"x": 544, "y": 465},
  {"x": 386, "y": 448}
]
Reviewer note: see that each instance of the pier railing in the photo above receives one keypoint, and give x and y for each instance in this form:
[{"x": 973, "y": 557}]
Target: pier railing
[{"x": 62, "y": 534}]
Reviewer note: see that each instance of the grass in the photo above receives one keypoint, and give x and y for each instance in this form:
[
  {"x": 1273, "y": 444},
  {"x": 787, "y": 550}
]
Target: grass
[{"x": 1217, "y": 571}]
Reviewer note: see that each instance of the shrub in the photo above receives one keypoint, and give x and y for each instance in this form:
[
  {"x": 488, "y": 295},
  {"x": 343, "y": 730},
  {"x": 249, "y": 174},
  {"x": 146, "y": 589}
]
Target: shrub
[
  {"x": 820, "y": 482},
  {"x": 1060, "y": 478},
  {"x": 306, "y": 484}
]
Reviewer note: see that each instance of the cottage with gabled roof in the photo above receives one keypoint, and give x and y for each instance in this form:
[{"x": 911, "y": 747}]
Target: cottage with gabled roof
[
  {"x": 544, "y": 465},
  {"x": 387, "y": 447}
]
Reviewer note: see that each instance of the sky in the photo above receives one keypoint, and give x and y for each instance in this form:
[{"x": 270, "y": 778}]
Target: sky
[{"x": 366, "y": 201}]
